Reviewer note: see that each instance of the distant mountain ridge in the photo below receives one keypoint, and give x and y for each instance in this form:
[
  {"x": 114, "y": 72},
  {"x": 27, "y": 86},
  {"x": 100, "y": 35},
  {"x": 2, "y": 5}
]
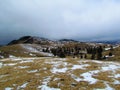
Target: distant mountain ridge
[
  {"x": 109, "y": 42},
  {"x": 38, "y": 40},
  {"x": 30, "y": 40},
  {"x": 68, "y": 40},
  {"x": 45, "y": 41}
]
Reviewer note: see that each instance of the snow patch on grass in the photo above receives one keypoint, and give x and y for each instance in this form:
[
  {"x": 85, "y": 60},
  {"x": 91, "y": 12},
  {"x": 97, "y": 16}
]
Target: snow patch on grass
[
  {"x": 8, "y": 88},
  {"x": 88, "y": 77},
  {"x": 32, "y": 54},
  {"x": 56, "y": 70},
  {"x": 26, "y": 61},
  {"x": 108, "y": 87},
  {"x": 11, "y": 56},
  {"x": 10, "y": 64},
  {"x": 30, "y": 48},
  {"x": 32, "y": 71},
  {"x": 1, "y": 56},
  {"x": 22, "y": 86},
  {"x": 2, "y": 76},
  {"x": 1, "y": 64},
  {"x": 79, "y": 66},
  {"x": 45, "y": 87},
  {"x": 23, "y": 67},
  {"x": 16, "y": 59},
  {"x": 110, "y": 67},
  {"x": 107, "y": 49},
  {"x": 76, "y": 78},
  {"x": 46, "y": 54},
  {"x": 117, "y": 76},
  {"x": 116, "y": 82}
]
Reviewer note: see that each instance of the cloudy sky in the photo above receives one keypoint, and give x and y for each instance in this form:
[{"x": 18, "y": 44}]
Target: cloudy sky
[{"x": 56, "y": 19}]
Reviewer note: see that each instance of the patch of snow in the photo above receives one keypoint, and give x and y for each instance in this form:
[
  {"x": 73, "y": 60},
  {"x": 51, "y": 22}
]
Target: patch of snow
[
  {"x": 23, "y": 67},
  {"x": 99, "y": 89},
  {"x": 88, "y": 76},
  {"x": 4, "y": 60},
  {"x": 30, "y": 48},
  {"x": 46, "y": 80},
  {"x": 54, "y": 62},
  {"x": 1, "y": 56},
  {"x": 116, "y": 82},
  {"x": 76, "y": 78},
  {"x": 46, "y": 54},
  {"x": 15, "y": 59},
  {"x": 110, "y": 67},
  {"x": 63, "y": 59},
  {"x": 1, "y": 64},
  {"x": 11, "y": 56},
  {"x": 14, "y": 85},
  {"x": 25, "y": 61},
  {"x": 117, "y": 76},
  {"x": 45, "y": 87},
  {"x": 32, "y": 54},
  {"x": 8, "y": 88},
  {"x": 56, "y": 70},
  {"x": 10, "y": 64},
  {"x": 65, "y": 63},
  {"x": 108, "y": 87},
  {"x": 115, "y": 46},
  {"x": 45, "y": 68},
  {"x": 79, "y": 66},
  {"x": 32, "y": 71},
  {"x": 88, "y": 61},
  {"x": 22, "y": 86},
  {"x": 99, "y": 62},
  {"x": 107, "y": 49},
  {"x": 30, "y": 58},
  {"x": 107, "y": 56},
  {"x": 55, "y": 79},
  {"x": 2, "y": 76}
]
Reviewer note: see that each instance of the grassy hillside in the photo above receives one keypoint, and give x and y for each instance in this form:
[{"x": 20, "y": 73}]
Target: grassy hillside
[
  {"x": 47, "y": 73},
  {"x": 15, "y": 50},
  {"x": 20, "y": 50},
  {"x": 115, "y": 52},
  {"x": 34, "y": 50}
]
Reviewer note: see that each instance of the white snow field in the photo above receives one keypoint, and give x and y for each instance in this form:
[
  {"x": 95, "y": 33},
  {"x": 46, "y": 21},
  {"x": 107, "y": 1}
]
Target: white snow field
[{"x": 47, "y": 73}]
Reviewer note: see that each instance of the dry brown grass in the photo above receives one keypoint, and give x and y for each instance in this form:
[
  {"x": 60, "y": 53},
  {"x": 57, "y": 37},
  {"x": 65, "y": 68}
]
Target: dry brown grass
[
  {"x": 103, "y": 76},
  {"x": 117, "y": 86},
  {"x": 77, "y": 72},
  {"x": 18, "y": 51},
  {"x": 115, "y": 52},
  {"x": 14, "y": 76},
  {"x": 15, "y": 50},
  {"x": 99, "y": 85}
]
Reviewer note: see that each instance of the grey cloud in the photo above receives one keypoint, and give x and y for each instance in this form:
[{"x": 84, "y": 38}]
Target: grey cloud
[{"x": 55, "y": 19}]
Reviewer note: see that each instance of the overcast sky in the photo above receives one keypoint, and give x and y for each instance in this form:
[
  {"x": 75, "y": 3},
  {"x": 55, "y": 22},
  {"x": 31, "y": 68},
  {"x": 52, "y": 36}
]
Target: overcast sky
[{"x": 56, "y": 19}]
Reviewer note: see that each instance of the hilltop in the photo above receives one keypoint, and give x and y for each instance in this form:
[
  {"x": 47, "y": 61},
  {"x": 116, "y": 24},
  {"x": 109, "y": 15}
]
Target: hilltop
[{"x": 31, "y": 40}]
